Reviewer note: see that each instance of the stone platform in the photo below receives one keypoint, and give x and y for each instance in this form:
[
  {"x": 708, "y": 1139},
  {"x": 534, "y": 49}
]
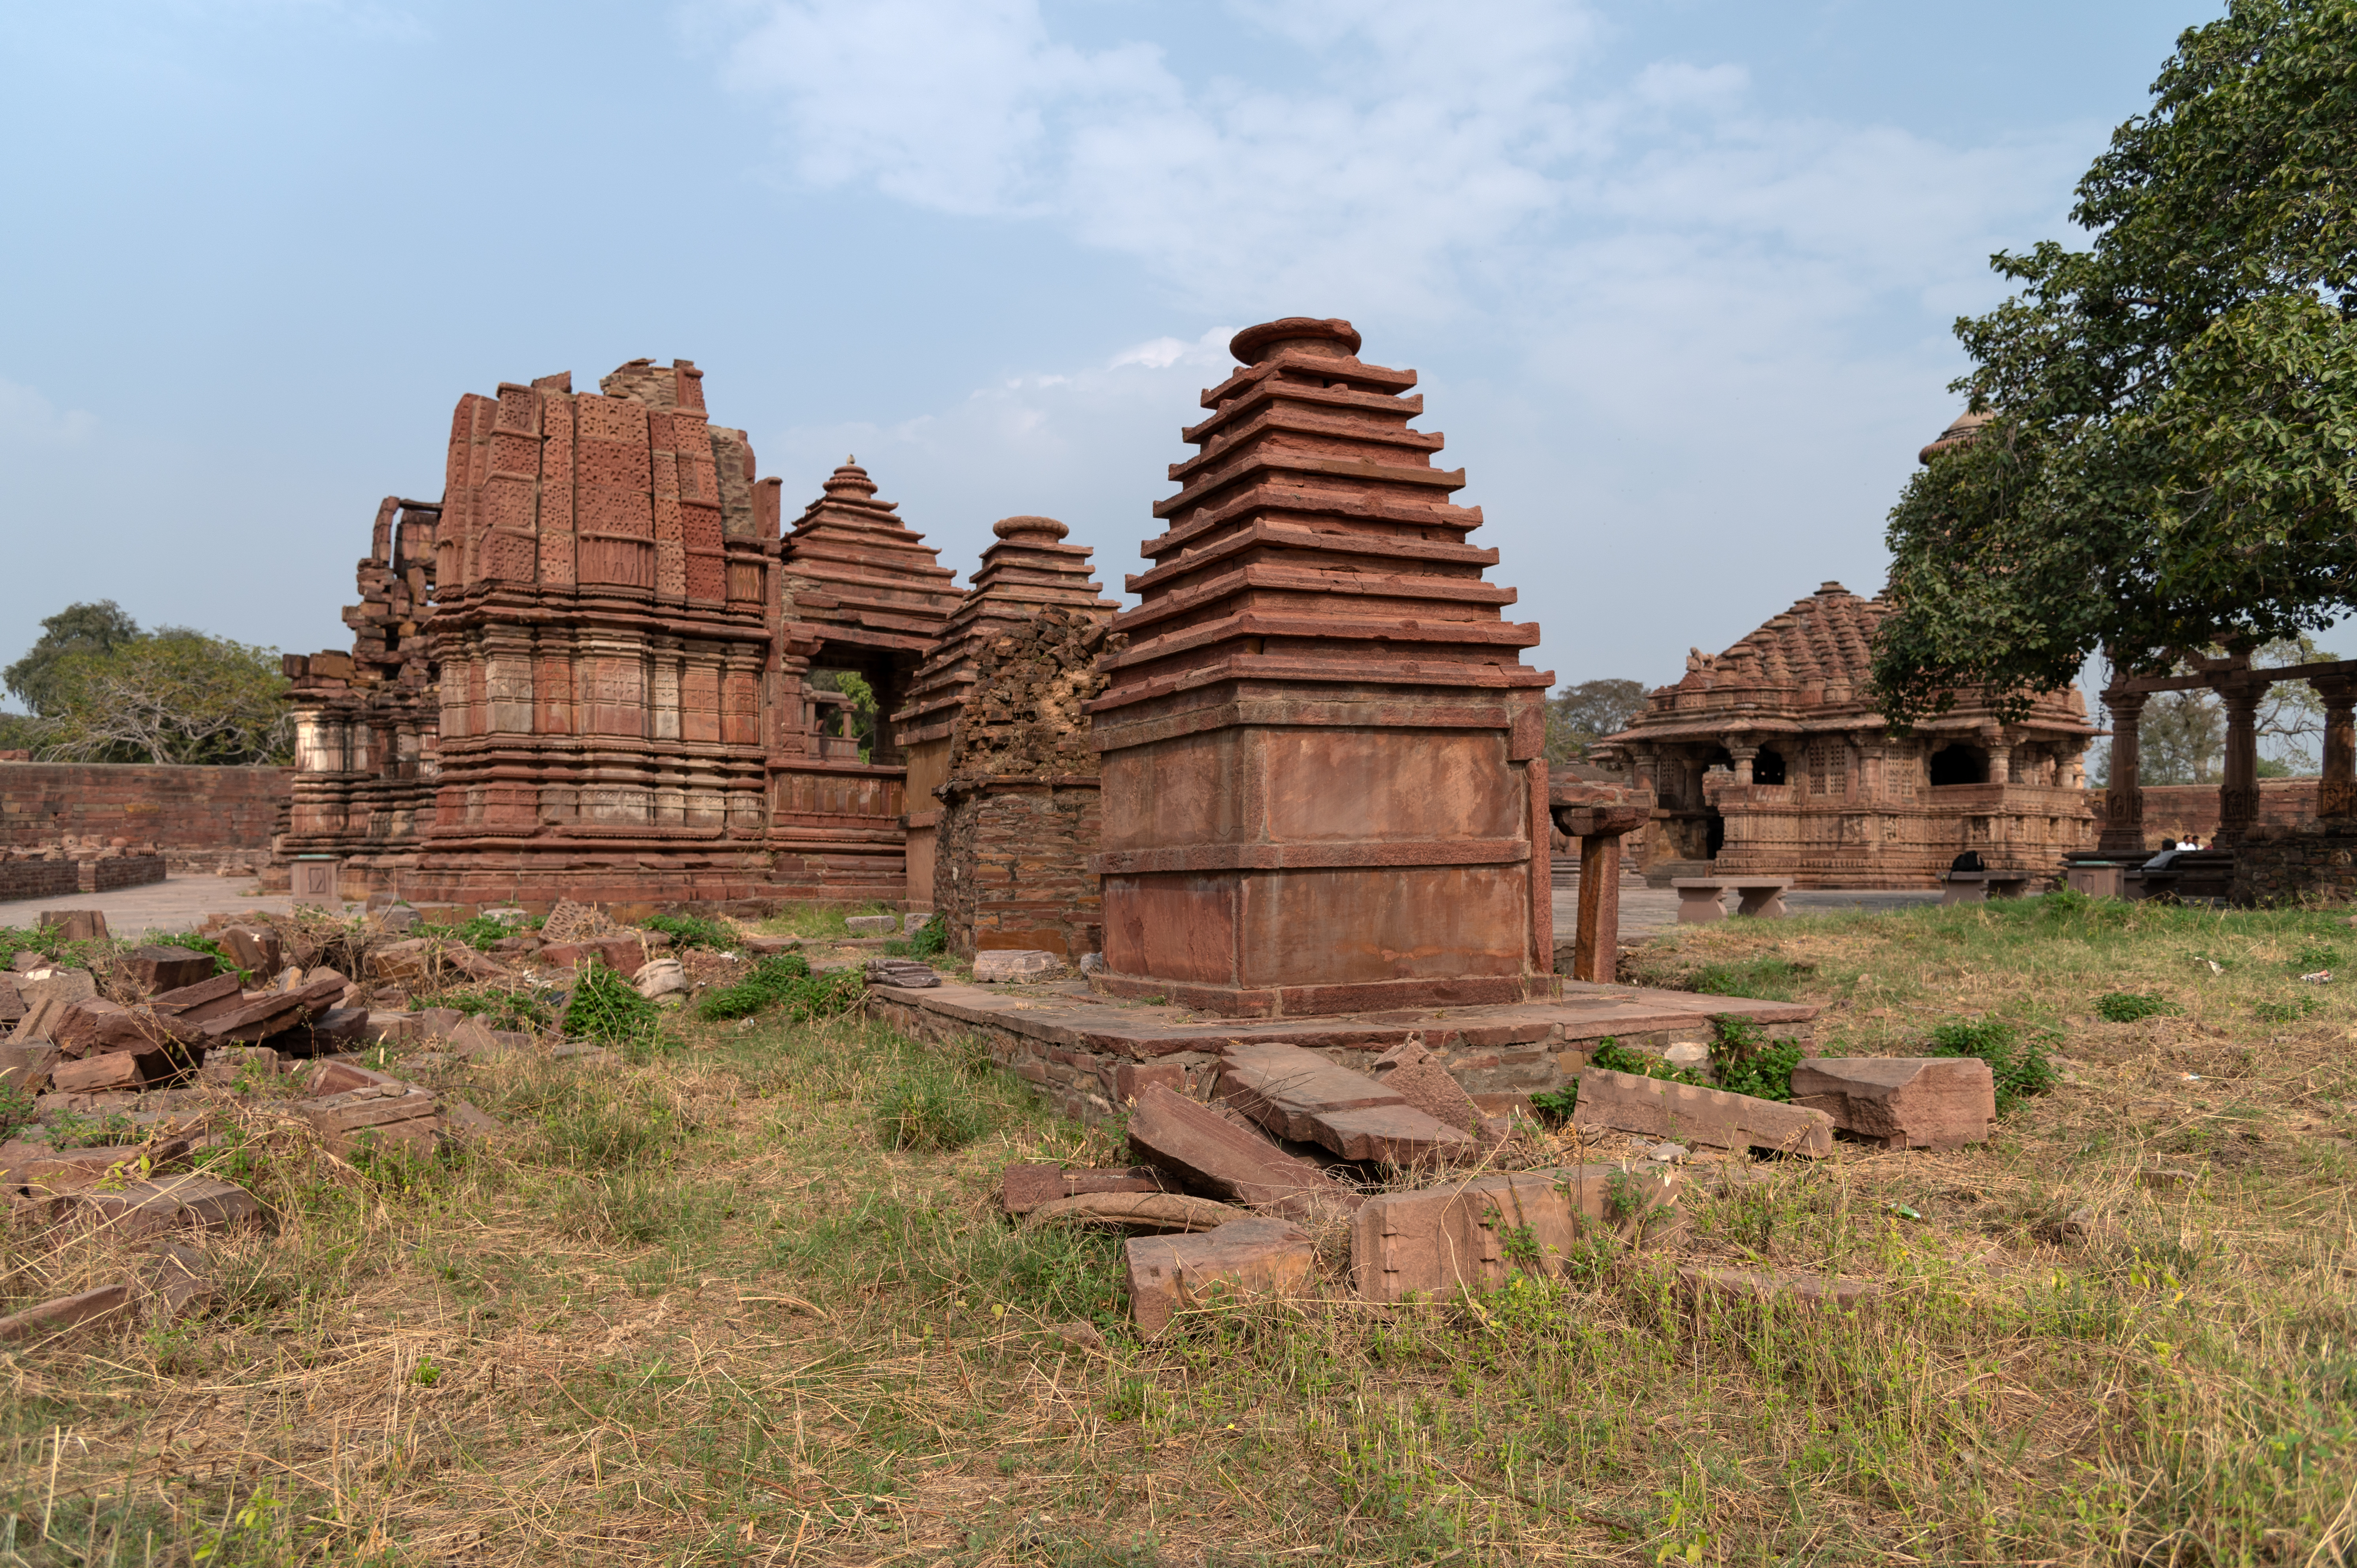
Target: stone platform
[{"x": 1091, "y": 1053}]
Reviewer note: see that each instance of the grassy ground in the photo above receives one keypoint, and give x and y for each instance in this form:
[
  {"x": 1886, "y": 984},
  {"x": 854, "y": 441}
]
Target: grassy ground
[{"x": 703, "y": 1310}]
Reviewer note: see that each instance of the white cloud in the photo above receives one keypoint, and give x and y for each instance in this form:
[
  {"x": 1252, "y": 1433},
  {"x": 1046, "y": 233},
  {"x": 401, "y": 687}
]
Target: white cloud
[{"x": 28, "y": 418}]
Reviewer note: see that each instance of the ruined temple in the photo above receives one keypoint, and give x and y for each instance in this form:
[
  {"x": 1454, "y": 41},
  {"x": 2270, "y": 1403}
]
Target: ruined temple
[
  {"x": 367, "y": 722},
  {"x": 1028, "y": 569},
  {"x": 1772, "y": 759},
  {"x": 1324, "y": 786},
  {"x": 861, "y": 594}
]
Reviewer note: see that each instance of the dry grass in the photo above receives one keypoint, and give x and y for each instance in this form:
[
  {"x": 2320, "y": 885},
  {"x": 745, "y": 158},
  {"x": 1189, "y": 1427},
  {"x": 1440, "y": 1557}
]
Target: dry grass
[{"x": 703, "y": 1311}]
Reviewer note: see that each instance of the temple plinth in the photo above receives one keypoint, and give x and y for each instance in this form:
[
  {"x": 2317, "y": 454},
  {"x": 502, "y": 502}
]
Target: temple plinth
[{"x": 1322, "y": 774}]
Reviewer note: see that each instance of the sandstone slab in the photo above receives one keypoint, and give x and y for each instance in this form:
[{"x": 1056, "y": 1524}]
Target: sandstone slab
[
  {"x": 158, "y": 1204},
  {"x": 1027, "y": 1186},
  {"x": 1137, "y": 1210},
  {"x": 872, "y": 925},
  {"x": 159, "y": 968},
  {"x": 53, "y": 1317},
  {"x": 1170, "y": 1274},
  {"x": 26, "y": 1066},
  {"x": 1767, "y": 1287},
  {"x": 1219, "y": 1159},
  {"x": 1416, "y": 1075},
  {"x": 1300, "y": 1095},
  {"x": 1472, "y": 1235},
  {"x": 999, "y": 966},
  {"x": 1656, "y": 1108},
  {"x": 1902, "y": 1102},
  {"x": 392, "y": 1115}
]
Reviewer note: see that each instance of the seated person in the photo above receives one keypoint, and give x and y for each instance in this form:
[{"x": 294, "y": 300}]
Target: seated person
[{"x": 2169, "y": 851}]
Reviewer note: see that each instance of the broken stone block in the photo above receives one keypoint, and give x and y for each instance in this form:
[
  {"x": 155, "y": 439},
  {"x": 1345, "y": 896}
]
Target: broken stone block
[
  {"x": 1300, "y": 1095},
  {"x": 477, "y": 1041},
  {"x": 626, "y": 955},
  {"x": 53, "y": 1317},
  {"x": 176, "y": 1279},
  {"x": 1218, "y": 1158},
  {"x": 872, "y": 925},
  {"x": 389, "y": 1115},
  {"x": 37, "y": 1168},
  {"x": 121, "y": 1070},
  {"x": 1416, "y": 1075},
  {"x": 12, "y": 1001},
  {"x": 1027, "y": 1186},
  {"x": 762, "y": 947},
  {"x": 1766, "y": 1287},
  {"x": 1902, "y": 1102},
  {"x": 56, "y": 982},
  {"x": 386, "y": 1026},
  {"x": 905, "y": 973},
  {"x": 158, "y": 1204},
  {"x": 437, "y": 1023},
  {"x": 402, "y": 961},
  {"x": 331, "y": 1076},
  {"x": 661, "y": 977},
  {"x": 999, "y": 966},
  {"x": 1473, "y": 1234},
  {"x": 463, "y": 1120},
  {"x": 161, "y": 969},
  {"x": 26, "y": 1068},
  {"x": 76, "y": 925},
  {"x": 1168, "y": 1274},
  {"x": 227, "y": 1064},
  {"x": 1657, "y": 1108},
  {"x": 96, "y": 1024},
  {"x": 257, "y": 950}
]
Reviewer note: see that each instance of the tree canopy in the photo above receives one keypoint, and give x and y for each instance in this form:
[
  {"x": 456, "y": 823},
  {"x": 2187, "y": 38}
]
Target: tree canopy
[
  {"x": 2170, "y": 455},
  {"x": 78, "y": 628},
  {"x": 1578, "y": 716}
]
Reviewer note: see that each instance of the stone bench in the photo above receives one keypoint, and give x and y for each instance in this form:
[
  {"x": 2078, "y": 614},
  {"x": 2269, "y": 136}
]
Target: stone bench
[
  {"x": 1979, "y": 886},
  {"x": 1702, "y": 898}
]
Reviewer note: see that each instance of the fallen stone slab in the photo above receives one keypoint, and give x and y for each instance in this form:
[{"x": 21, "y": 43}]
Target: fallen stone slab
[
  {"x": 257, "y": 950},
  {"x": 1767, "y": 1287},
  {"x": 1170, "y": 1274},
  {"x": 40, "y": 1169},
  {"x": 227, "y": 1065},
  {"x": 626, "y": 954},
  {"x": 1000, "y": 966},
  {"x": 158, "y": 1204},
  {"x": 124, "y": 1071},
  {"x": 67, "y": 1312},
  {"x": 331, "y": 1076},
  {"x": 1027, "y": 1186},
  {"x": 763, "y": 947},
  {"x": 872, "y": 925},
  {"x": 12, "y": 1001},
  {"x": 1219, "y": 1159},
  {"x": 176, "y": 1279},
  {"x": 160, "y": 969},
  {"x": 1473, "y": 1235},
  {"x": 1902, "y": 1102},
  {"x": 437, "y": 1023},
  {"x": 199, "y": 999},
  {"x": 1656, "y": 1108},
  {"x": 1300, "y": 1095},
  {"x": 462, "y": 1119},
  {"x": 1140, "y": 1210},
  {"x": 96, "y": 1024}
]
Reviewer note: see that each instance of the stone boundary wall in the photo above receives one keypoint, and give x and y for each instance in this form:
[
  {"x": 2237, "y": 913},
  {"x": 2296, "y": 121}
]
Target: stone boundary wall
[
  {"x": 38, "y": 879},
  {"x": 123, "y": 870},
  {"x": 205, "y": 813},
  {"x": 2176, "y": 811},
  {"x": 2307, "y": 862}
]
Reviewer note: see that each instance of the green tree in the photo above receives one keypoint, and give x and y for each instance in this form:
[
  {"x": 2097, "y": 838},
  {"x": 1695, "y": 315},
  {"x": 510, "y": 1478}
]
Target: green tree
[
  {"x": 1578, "y": 716},
  {"x": 77, "y": 628},
  {"x": 2170, "y": 456},
  {"x": 175, "y": 697}
]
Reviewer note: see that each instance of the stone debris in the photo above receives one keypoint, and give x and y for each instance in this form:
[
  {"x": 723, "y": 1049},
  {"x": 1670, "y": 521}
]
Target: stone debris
[
  {"x": 175, "y": 1279},
  {"x": 1255, "y": 1257},
  {"x": 256, "y": 950},
  {"x": 1025, "y": 1187},
  {"x": 36, "y": 1170},
  {"x": 872, "y": 925},
  {"x": 159, "y": 968},
  {"x": 1137, "y": 1210},
  {"x": 1299, "y": 1094},
  {"x": 1656, "y": 1108},
  {"x": 76, "y": 925},
  {"x": 1416, "y": 1075},
  {"x": 26, "y": 1068},
  {"x": 1902, "y": 1102},
  {"x": 1218, "y": 1159},
  {"x": 570, "y": 922},
  {"x": 1015, "y": 965},
  {"x": 905, "y": 973},
  {"x": 141, "y": 1209},
  {"x": 1472, "y": 1235},
  {"x": 1768, "y": 1287}
]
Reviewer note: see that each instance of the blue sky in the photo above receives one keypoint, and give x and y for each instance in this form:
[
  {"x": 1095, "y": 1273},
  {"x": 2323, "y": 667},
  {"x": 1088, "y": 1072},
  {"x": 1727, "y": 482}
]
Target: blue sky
[{"x": 1677, "y": 274}]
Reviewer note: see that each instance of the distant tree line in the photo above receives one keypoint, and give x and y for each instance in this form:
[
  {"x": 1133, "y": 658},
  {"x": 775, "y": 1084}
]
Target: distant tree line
[{"x": 98, "y": 689}]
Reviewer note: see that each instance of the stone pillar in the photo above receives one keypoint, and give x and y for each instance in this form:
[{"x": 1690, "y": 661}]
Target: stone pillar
[
  {"x": 2336, "y": 794},
  {"x": 2238, "y": 796},
  {"x": 2124, "y": 796},
  {"x": 2000, "y": 755},
  {"x": 1743, "y": 755}
]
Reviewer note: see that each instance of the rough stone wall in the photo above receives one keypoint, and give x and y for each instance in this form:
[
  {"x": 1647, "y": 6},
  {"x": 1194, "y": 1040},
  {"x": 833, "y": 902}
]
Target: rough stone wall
[
  {"x": 2310, "y": 863},
  {"x": 2181, "y": 810},
  {"x": 194, "y": 815},
  {"x": 1016, "y": 865},
  {"x": 35, "y": 879},
  {"x": 1020, "y": 812}
]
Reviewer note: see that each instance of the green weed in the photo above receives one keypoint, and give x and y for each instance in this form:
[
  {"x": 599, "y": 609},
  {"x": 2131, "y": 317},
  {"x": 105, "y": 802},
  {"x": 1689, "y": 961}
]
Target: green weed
[
  {"x": 2128, "y": 1007},
  {"x": 2017, "y": 1059},
  {"x": 693, "y": 931}
]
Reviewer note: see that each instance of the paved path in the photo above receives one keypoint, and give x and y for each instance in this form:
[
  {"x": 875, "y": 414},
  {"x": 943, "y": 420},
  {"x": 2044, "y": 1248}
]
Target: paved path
[{"x": 175, "y": 904}]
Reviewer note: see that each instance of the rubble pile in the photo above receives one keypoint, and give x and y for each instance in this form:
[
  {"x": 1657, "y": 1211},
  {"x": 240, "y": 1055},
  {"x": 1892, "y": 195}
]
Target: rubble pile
[
  {"x": 77, "y": 847},
  {"x": 1027, "y": 710}
]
